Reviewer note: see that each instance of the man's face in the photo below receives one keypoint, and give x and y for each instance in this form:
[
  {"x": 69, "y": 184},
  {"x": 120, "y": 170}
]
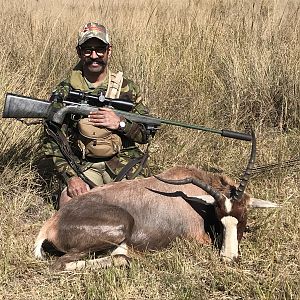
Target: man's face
[{"x": 94, "y": 55}]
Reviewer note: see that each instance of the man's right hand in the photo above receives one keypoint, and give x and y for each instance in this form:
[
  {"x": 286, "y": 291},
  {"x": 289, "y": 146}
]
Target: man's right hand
[{"x": 76, "y": 187}]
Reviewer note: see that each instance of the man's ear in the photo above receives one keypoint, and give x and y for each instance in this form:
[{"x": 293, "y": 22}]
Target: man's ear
[
  {"x": 78, "y": 51},
  {"x": 109, "y": 51}
]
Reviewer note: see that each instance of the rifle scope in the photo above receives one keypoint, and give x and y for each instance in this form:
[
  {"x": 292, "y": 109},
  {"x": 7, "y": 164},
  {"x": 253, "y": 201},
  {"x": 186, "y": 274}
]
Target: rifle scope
[{"x": 100, "y": 100}]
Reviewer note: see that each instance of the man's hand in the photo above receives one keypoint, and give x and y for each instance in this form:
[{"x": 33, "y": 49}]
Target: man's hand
[
  {"x": 76, "y": 187},
  {"x": 105, "y": 117}
]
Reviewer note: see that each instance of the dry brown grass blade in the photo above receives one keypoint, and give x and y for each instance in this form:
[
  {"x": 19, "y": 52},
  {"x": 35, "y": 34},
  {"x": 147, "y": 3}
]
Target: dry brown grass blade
[{"x": 223, "y": 64}]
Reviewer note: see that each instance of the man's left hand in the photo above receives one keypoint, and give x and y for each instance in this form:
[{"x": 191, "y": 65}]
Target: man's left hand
[{"x": 105, "y": 117}]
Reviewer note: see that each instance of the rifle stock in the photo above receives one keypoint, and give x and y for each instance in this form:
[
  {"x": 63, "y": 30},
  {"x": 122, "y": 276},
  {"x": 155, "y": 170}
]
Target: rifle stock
[{"x": 17, "y": 106}]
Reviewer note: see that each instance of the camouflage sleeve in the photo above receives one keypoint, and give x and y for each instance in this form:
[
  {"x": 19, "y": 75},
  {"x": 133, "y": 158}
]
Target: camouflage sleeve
[
  {"x": 136, "y": 132},
  {"x": 50, "y": 148},
  {"x": 62, "y": 90}
]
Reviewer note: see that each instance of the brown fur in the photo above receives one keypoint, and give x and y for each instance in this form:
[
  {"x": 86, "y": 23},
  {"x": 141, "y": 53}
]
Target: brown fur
[{"x": 145, "y": 213}]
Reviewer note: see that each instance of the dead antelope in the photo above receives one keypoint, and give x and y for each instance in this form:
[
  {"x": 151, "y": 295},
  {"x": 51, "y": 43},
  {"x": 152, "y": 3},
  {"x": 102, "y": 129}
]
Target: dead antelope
[{"x": 149, "y": 213}]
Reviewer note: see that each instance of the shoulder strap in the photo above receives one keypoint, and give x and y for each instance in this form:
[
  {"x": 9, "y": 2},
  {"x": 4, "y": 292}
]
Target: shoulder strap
[
  {"x": 55, "y": 132},
  {"x": 114, "y": 85},
  {"x": 141, "y": 161}
]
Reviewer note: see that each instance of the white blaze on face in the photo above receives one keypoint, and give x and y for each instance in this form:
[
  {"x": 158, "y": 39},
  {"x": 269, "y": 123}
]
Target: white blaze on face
[
  {"x": 228, "y": 205},
  {"x": 230, "y": 246}
]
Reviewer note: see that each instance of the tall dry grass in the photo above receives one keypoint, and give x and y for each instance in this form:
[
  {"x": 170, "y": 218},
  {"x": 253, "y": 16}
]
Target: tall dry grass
[{"x": 223, "y": 64}]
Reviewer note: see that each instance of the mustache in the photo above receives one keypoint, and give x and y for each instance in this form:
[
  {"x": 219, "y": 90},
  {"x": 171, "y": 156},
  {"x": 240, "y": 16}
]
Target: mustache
[{"x": 100, "y": 62}]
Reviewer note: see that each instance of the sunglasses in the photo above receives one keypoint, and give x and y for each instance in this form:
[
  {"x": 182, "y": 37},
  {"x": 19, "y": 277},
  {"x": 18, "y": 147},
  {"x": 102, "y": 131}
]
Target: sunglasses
[{"x": 87, "y": 51}]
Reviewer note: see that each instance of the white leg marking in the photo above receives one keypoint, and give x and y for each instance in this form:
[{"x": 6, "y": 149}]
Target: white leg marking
[
  {"x": 230, "y": 246},
  {"x": 38, "y": 250},
  {"x": 76, "y": 265},
  {"x": 103, "y": 262},
  {"x": 121, "y": 250}
]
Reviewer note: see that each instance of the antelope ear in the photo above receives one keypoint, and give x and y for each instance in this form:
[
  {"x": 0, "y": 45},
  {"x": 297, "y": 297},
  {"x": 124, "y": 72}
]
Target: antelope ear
[
  {"x": 205, "y": 199},
  {"x": 259, "y": 203}
]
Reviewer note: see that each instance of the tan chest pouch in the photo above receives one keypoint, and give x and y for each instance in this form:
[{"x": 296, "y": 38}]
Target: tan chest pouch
[{"x": 97, "y": 142}]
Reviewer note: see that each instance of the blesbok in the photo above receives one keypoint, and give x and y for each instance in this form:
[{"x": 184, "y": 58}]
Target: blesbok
[{"x": 148, "y": 214}]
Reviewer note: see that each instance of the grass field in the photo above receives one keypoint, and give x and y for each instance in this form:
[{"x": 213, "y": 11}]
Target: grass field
[{"x": 231, "y": 64}]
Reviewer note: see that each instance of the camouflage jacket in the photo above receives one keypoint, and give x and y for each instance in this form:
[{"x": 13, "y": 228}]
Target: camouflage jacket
[{"x": 133, "y": 132}]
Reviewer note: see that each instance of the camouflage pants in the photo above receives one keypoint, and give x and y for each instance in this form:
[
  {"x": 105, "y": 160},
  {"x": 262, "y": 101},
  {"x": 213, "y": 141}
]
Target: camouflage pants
[{"x": 98, "y": 174}]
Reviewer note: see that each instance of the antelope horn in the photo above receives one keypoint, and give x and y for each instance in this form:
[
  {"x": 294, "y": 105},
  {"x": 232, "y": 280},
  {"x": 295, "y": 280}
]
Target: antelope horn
[
  {"x": 204, "y": 186},
  {"x": 245, "y": 178}
]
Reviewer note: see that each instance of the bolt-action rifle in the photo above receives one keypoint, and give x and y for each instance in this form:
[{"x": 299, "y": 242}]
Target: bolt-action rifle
[{"x": 17, "y": 106}]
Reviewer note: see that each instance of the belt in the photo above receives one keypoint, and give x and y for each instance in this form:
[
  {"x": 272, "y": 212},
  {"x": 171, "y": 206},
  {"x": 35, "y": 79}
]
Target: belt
[{"x": 97, "y": 159}]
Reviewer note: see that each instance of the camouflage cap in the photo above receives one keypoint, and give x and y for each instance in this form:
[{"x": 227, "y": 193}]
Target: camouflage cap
[{"x": 92, "y": 30}]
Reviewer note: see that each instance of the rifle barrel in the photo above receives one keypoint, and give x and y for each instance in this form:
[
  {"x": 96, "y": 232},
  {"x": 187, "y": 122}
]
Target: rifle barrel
[
  {"x": 86, "y": 109},
  {"x": 223, "y": 132}
]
